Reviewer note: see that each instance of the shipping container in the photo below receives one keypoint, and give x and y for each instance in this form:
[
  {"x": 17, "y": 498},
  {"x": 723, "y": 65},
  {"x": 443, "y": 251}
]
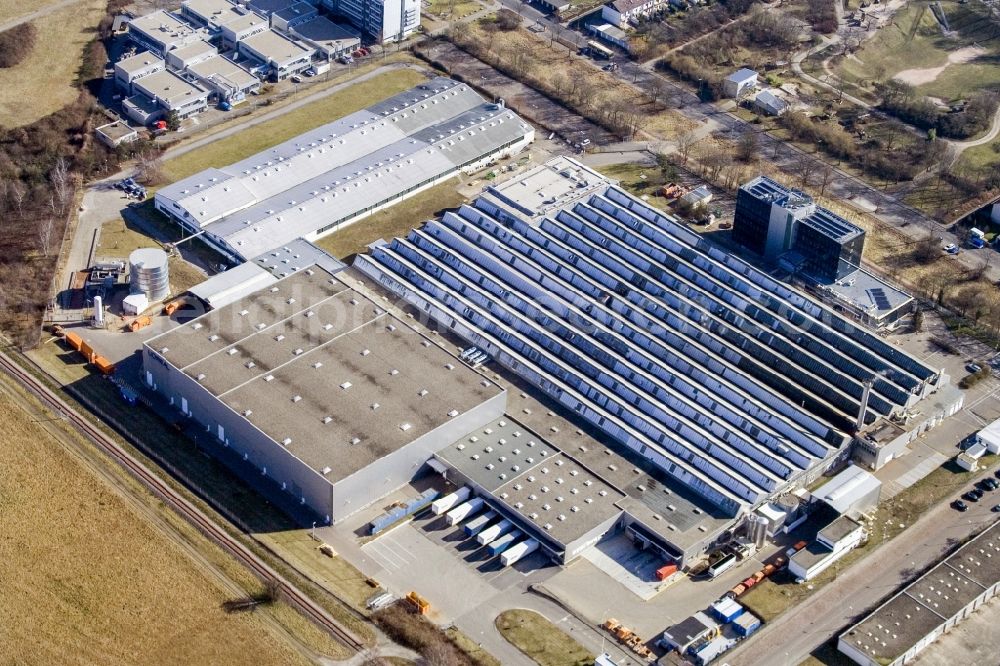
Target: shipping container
[
  {"x": 518, "y": 551},
  {"x": 665, "y": 572},
  {"x": 726, "y": 610},
  {"x": 738, "y": 590},
  {"x": 493, "y": 531},
  {"x": 397, "y": 513},
  {"x": 449, "y": 502},
  {"x": 476, "y": 525},
  {"x": 726, "y": 563},
  {"x": 746, "y": 624},
  {"x": 104, "y": 366},
  {"x": 504, "y": 542},
  {"x": 463, "y": 511},
  {"x": 74, "y": 340}
]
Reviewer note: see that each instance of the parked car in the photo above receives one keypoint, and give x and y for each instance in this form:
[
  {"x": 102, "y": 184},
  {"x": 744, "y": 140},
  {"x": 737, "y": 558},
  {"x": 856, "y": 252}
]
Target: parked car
[
  {"x": 959, "y": 505},
  {"x": 996, "y": 508},
  {"x": 973, "y": 367},
  {"x": 295, "y": 78},
  {"x": 986, "y": 485},
  {"x": 951, "y": 248},
  {"x": 973, "y": 495}
]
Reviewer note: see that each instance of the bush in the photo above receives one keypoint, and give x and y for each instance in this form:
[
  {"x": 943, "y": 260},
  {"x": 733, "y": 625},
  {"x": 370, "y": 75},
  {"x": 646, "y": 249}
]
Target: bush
[
  {"x": 417, "y": 633},
  {"x": 16, "y": 44},
  {"x": 974, "y": 378},
  {"x": 822, "y": 16}
]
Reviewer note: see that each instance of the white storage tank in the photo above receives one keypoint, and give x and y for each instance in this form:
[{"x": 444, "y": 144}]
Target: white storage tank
[
  {"x": 148, "y": 273},
  {"x": 98, "y": 312}
]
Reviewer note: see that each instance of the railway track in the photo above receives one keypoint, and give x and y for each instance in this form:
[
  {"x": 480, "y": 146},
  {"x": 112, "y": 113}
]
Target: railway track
[{"x": 207, "y": 526}]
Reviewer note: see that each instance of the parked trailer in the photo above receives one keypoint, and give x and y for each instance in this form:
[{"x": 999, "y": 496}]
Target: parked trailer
[
  {"x": 493, "y": 531},
  {"x": 476, "y": 525},
  {"x": 463, "y": 511},
  {"x": 449, "y": 502},
  {"x": 725, "y": 564},
  {"x": 504, "y": 542},
  {"x": 518, "y": 551}
]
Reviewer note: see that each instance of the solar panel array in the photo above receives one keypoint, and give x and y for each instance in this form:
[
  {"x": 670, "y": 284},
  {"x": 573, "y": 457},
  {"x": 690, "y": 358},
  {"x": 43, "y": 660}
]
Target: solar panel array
[{"x": 695, "y": 362}]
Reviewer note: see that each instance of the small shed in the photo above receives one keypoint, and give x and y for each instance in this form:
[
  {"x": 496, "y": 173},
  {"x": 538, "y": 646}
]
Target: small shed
[
  {"x": 135, "y": 304},
  {"x": 698, "y": 196},
  {"x": 689, "y": 631},
  {"x": 746, "y": 624},
  {"x": 770, "y": 104},
  {"x": 114, "y": 134},
  {"x": 990, "y": 437}
]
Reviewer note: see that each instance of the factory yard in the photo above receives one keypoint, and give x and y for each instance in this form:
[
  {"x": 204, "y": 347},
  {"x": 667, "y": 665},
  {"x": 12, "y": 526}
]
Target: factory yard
[{"x": 98, "y": 579}]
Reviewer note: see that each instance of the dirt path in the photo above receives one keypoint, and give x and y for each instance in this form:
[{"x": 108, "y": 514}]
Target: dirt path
[
  {"x": 37, "y": 14},
  {"x": 918, "y": 77}
]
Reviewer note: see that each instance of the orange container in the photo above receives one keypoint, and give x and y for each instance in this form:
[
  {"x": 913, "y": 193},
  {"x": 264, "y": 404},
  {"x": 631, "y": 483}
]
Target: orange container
[
  {"x": 74, "y": 340},
  {"x": 666, "y": 571},
  {"x": 105, "y": 366}
]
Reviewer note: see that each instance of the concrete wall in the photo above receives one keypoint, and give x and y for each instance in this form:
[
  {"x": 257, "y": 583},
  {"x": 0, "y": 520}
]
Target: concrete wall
[
  {"x": 302, "y": 484},
  {"x": 377, "y": 480}
]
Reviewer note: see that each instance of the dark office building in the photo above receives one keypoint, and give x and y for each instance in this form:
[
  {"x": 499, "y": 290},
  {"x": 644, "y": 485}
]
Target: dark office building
[{"x": 772, "y": 219}]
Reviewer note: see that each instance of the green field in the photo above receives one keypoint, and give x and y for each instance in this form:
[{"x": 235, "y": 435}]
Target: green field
[
  {"x": 545, "y": 643},
  {"x": 915, "y": 41},
  {"x": 258, "y": 137},
  {"x": 394, "y": 221}
]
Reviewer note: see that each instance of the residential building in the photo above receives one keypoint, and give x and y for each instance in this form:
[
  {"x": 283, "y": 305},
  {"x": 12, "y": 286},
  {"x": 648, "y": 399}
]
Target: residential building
[
  {"x": 382, "y": 20},
  {"x": 898, "y": 630},
  {"x": 739, "y": 83},
  {"x": 157, "y": 95},
  {"x": 331, "y": 40},
  {"x": 293, "y": 15},
  {"x": 192, "y": 54},
  {"x": 129, "y": 70},
  {"x": 227, "y": 80},
  {"x": 620, "y": 13},
  {"x": 162, "y": 32},
  {"x": 276, "y": 56}
]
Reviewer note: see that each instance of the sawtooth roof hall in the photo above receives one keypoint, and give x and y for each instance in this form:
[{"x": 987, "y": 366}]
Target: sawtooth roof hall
[
  {"x": 334, "y": 175},
  {"x": 729, "y": 381}
]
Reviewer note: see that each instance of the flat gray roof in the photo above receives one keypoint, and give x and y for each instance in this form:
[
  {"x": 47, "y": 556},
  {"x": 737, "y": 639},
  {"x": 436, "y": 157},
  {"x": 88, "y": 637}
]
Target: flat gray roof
[
  {"x": 273, "y": 46},
  {"x": 839, "y": 529},
  {"x": 140, "y": 62},
  {"x": 315, "y": 362},
  {"x": 868, "y": 292},
  {"x": 170, "y": 87},
  {"x": 325, "y": 32},
  {"x": 225, "y": 70},
  {"x": 930, "y": 601},
  {"x": 162, "y": 26},
  {"x": 532, "y": 478}
]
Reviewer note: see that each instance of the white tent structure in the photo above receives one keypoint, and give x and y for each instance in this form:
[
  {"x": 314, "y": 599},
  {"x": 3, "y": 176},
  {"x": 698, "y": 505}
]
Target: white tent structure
[{"x": 990, "y": 436}]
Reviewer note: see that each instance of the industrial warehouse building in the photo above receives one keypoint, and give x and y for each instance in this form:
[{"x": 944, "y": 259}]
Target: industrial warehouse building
[
  {"x": 727, "y": 382},
  {"x": 898, "y": 630},
  {"x": 330, "y": 177},
  {"x": 320, "y": 389}
]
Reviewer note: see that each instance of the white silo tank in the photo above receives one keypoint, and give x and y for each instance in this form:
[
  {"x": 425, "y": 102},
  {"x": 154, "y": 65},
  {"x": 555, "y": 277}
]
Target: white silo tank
[
  {"x": 98, "y": 312},
  {"x": 148, "y": 273}
]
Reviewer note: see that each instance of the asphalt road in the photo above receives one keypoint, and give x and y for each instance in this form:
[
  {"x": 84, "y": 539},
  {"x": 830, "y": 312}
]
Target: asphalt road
[{"x": 790, "y": 638}]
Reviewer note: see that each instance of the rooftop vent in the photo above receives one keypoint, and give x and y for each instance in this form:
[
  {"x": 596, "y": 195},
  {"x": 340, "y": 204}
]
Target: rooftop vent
[
  {"x": 345, "y": 385},
  {"x": 327, "y": 419},
  {"x": 405, "y": 426},
  {"x": 247, "y": 412}
]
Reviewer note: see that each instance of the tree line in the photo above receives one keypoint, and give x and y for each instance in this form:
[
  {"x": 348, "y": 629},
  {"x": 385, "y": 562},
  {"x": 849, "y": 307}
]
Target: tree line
[{"x": 975, "y": 117}]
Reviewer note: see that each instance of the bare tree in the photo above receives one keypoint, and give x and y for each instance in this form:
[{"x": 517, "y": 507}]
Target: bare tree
[
  {"x": 803, "y": 168},
  {"x": 46, "y": 228},
  {"x": 439, "y": 653},
  {"x": 825, "y": 173},
  {"x": 747, "y": 147},
  {"x": 17, "y": 192},
  {"x": 685, "y": 140},
  {"x": 62, "y": 183}
]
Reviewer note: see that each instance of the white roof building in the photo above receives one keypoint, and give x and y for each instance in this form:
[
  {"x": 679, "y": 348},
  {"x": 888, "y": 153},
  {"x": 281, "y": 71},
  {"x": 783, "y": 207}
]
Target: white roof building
[
  {"x": 161, "y": 32},
  {"x": 990, "y": 436},
  {"x": 333, "y": 175},
  {"x": 852, "y": 492}
]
